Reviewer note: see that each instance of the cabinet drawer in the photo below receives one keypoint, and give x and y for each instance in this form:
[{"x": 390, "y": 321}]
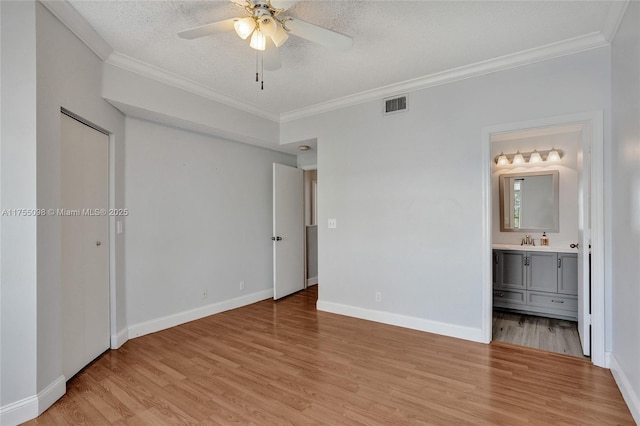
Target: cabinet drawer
[
  {"x": 552, "y": 301},
  {"x": 508, "y": 298}
]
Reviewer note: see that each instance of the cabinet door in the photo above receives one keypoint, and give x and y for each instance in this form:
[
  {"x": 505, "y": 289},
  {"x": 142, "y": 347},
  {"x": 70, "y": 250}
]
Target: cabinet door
[
  {"x": 511, "y": 269},
  {"x": 496, "y": 262},
  {"x": 542, "y": 271},
  {"x": 568, "y": 273}
]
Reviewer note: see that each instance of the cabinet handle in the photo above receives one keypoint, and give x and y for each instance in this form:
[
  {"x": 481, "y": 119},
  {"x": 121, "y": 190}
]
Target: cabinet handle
[
  {"x": 557, "y": 301},
  {"x": 559, "y": 262}
]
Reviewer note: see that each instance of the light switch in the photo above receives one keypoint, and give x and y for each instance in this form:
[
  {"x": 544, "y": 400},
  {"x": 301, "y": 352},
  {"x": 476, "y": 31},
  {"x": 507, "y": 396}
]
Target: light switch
[
  {"x": 118, "y": 227},
  {"x": 333, "y": 223}
]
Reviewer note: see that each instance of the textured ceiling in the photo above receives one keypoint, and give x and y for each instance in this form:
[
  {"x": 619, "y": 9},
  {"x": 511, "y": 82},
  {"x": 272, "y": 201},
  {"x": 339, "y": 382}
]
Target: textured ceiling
[{"x": 394, "y": 41}]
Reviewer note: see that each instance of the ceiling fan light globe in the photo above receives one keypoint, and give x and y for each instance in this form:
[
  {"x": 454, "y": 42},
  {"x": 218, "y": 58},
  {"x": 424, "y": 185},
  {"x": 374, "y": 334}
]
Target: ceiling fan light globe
[
  {"x": 244, "y": 27},
  {"x": 279, "y": 37},
  {"x": 258, "y": 40},
  {"x": 268, "y": 26}
]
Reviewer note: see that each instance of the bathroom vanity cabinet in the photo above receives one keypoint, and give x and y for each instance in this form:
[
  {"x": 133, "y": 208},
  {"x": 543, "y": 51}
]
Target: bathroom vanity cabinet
[{"x": 536, "y": 282}]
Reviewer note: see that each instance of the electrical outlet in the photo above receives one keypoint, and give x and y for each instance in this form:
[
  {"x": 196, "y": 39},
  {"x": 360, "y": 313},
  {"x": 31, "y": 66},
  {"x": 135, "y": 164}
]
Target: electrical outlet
[
  {"x": 241, "y": 285},
  {"x": 204, "y": 294},
  {"x": 332, "y": 224},
  {"x": 378, "y": 297}
]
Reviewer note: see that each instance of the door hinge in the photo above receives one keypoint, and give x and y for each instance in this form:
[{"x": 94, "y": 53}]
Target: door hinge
[{"x": 588, "y": 318}]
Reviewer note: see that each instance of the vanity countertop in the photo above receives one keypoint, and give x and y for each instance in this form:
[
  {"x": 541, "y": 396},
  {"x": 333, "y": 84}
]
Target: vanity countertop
[{"x": 534, "y": 248}]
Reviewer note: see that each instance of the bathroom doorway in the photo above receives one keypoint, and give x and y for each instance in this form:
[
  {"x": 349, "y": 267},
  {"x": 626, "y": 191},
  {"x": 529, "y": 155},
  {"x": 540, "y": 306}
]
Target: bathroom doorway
[{"x": 530, "y": 286}]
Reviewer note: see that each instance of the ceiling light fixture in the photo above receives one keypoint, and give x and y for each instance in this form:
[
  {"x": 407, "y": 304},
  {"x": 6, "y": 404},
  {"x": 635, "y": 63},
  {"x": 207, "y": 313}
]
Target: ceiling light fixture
[
  {"x": 268, "y": 30},
  {"x": 535, "y": 157},
  {"x": 263, "y": 20},
  {"x": 304, "y": 147}
]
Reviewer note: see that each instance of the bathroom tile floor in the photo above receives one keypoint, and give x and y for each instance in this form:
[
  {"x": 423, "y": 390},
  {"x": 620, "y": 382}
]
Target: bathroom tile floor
[{"x": 549, "y": 334}]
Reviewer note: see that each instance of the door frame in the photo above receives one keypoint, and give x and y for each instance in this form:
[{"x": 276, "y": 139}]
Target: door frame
[
  {"x": 594, "y": 121},
  {"x": 306, "y": 266}
]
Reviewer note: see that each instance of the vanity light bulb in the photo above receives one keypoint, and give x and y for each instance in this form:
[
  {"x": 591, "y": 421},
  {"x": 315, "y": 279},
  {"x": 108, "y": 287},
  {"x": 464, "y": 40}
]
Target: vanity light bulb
[
  {"x": 518, "y": 158},
  {"x": 553, "y": 155},
  {"x": 535, "y": 157},
  {"x": 502, "y": 160}
]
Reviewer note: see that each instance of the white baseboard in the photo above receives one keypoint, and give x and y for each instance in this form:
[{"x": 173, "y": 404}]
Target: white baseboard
[
  {"x": 628, "y": 393},
  {"x": 169, "y": 321},
  {"x": 312, "y": 281},
  {"x": 119, "y": 339},
  {"x": 460, "y": 332},
  {"x": 31, "y": 407}
]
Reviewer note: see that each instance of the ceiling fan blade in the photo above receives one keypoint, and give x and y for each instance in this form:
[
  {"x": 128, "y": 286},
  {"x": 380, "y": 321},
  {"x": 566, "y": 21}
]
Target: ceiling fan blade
[
  {"x": 208, "y": 29},
  {"x": 319, "y": 35},
  {"x": 271, "y": 57},
  {"x": 283, "y": 4}
]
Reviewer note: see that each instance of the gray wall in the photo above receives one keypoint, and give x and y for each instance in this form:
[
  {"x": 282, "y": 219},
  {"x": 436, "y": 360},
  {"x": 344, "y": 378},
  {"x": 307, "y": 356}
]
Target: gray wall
[
  {"x": 69, "y": 76},
  {"x": 407, "y": 189},
  {"x": 200, "y": 218},
  {"x": 625, "y": 162}
]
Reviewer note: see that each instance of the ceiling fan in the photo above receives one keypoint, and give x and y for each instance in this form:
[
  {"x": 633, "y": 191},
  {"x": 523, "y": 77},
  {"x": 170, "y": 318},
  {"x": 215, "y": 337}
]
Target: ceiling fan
[{"x": 269, "y": 30}]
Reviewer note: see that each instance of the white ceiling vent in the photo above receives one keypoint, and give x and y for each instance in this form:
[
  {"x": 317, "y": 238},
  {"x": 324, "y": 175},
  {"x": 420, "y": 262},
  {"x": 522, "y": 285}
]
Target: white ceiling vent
[{"x": 395, "y": 104}]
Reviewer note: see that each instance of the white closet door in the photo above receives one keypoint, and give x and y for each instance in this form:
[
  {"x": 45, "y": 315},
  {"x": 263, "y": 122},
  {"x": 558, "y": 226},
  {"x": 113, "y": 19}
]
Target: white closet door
[{"x": 85, "y": 244}]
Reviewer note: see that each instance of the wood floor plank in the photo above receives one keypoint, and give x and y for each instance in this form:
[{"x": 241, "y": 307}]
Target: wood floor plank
[{"x": 277, "y": 363}]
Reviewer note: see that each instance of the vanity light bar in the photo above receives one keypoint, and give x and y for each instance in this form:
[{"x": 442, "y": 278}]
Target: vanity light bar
[{"x": 549, "y": 156}]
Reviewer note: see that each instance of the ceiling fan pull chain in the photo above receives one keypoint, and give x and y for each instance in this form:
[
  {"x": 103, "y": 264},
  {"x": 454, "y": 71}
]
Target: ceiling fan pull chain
[
  {"x": 257, "y": 53},
  {"x": 262, "y": 58}
]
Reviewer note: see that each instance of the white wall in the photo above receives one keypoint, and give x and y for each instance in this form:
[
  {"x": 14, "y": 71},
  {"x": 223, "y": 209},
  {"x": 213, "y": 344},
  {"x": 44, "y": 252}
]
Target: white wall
[
  {"x": 52, "y": 69},
  {"x": 406, "y": 189},
  {"x": 18, "y": 315},
  {"x": 200, "y": 219},
  {"x": 568, "y": 185},
  {"x": 625, "y": 162}
]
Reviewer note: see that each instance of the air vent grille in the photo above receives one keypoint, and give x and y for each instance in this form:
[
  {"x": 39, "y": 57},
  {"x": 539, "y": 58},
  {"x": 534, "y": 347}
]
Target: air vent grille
[{"x": 397, "y": 104}]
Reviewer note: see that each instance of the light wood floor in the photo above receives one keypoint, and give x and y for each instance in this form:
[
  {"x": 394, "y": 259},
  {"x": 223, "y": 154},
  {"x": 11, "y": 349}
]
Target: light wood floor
[
  {"x": 285, "y": 363},
  {"x": 548, "y": 334}
]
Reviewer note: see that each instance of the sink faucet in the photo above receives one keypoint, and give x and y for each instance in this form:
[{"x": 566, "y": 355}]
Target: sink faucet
[{"x": 528, "y": 241}]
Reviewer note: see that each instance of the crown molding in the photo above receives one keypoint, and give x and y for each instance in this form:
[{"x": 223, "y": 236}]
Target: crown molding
[
  {"x": 79, "y": 26},
  {"x": 151, "y": 71},
  {"x": 525, "y": 57},
  {"x": 617, "y": 9}
]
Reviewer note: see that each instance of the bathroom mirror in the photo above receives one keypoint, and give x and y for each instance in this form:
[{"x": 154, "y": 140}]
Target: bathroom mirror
[{"x": 529, "y": 202}]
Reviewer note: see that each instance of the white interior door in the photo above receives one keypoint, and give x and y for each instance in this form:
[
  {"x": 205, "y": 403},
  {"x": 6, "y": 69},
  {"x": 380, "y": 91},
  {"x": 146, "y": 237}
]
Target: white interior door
[
  {"x": 584, "y": 241},
  {"x": 85, "y": 244},
  {"x": 288, "y": 230}
]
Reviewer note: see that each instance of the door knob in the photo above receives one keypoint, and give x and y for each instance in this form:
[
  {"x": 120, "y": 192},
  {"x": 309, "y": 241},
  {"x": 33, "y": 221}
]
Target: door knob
[{"x": 98, "y": 243}]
